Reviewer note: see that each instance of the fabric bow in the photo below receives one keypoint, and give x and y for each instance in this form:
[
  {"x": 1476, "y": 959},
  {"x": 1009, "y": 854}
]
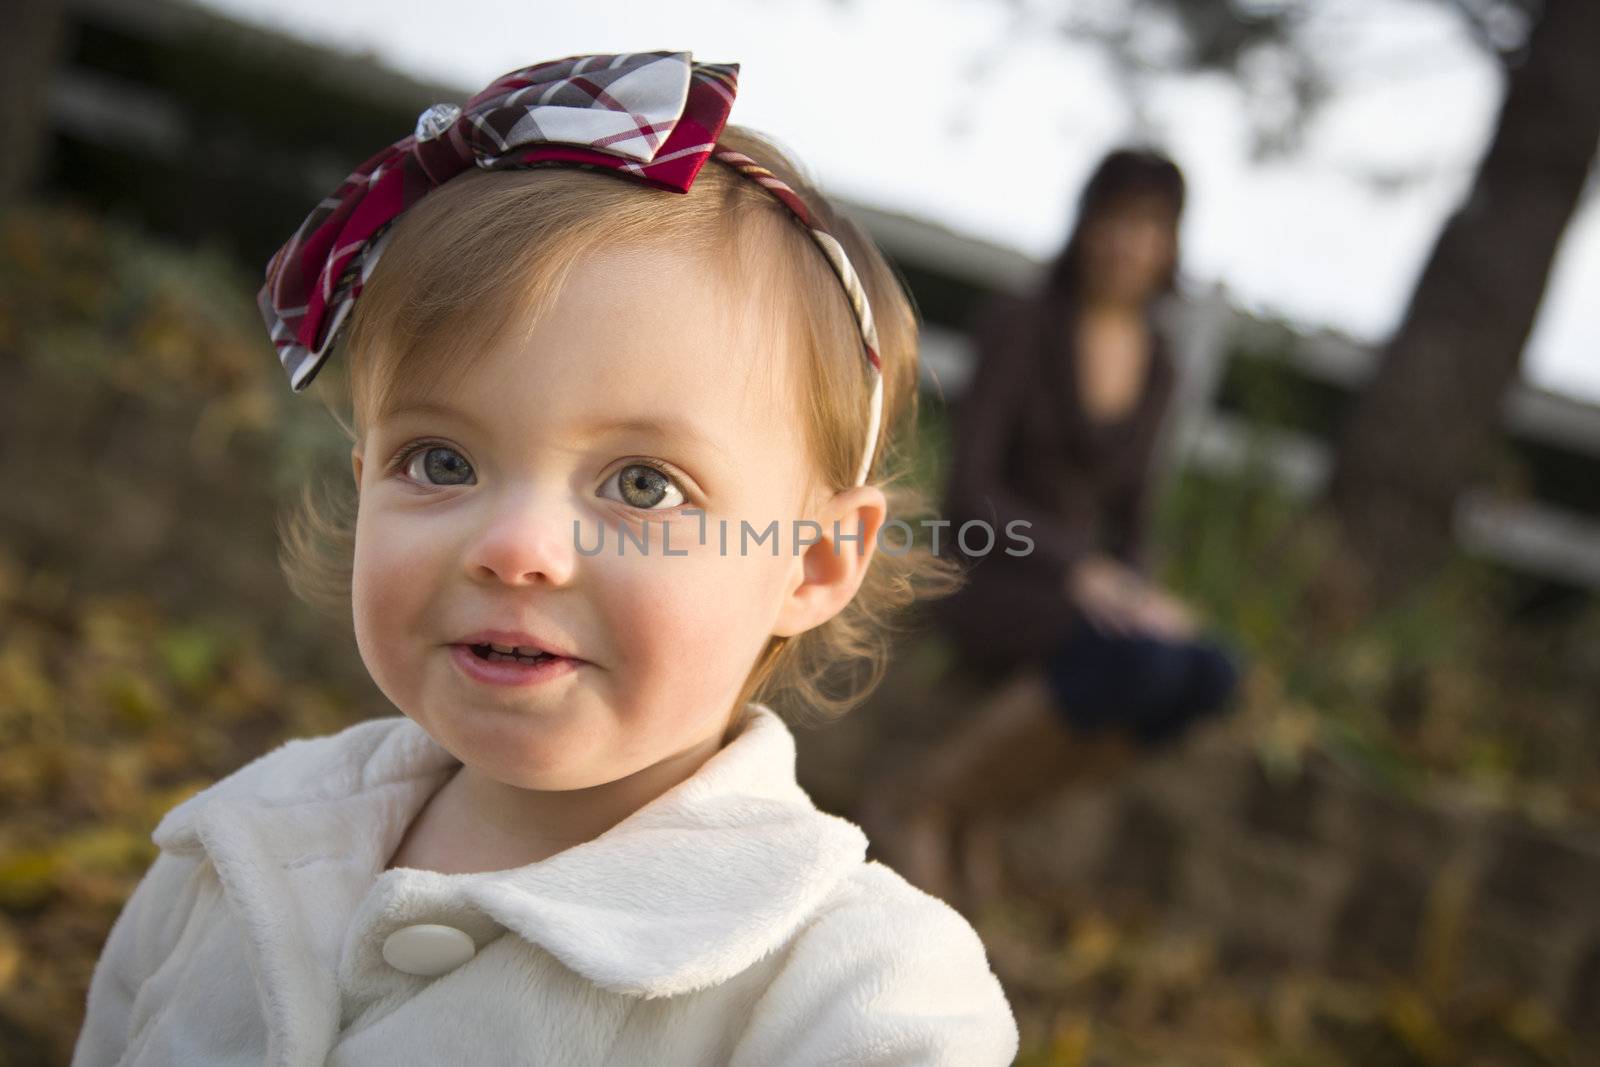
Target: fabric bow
[{"x": 655, "y": 116}]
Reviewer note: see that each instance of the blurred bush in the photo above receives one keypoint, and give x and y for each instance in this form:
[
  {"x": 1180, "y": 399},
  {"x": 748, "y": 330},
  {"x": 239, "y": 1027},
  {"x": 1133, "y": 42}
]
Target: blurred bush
[
  {"x": 148, "y": 644},
  {"x": 1447, "y": 689}
]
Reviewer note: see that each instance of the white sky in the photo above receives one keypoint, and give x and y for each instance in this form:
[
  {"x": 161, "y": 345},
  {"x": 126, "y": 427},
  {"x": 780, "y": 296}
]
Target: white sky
[{"x": 866, "y": 93}]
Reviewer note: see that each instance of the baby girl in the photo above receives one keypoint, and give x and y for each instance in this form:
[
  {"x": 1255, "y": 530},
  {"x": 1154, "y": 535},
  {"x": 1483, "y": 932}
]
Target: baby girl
[{"x": 629, "y": 404}]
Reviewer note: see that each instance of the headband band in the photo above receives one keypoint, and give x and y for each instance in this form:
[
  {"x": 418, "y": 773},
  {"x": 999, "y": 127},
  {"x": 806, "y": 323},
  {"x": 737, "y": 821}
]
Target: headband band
[{"x": 652, "y": 116}]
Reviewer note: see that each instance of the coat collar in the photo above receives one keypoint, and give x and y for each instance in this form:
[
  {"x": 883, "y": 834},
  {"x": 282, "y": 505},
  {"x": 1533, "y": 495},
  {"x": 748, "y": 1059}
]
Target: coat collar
[{"x": 684, "y": 893}]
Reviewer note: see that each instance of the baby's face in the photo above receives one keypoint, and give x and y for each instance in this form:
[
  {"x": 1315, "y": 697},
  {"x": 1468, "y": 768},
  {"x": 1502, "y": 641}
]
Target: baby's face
[{"x": 638, "y": 397}]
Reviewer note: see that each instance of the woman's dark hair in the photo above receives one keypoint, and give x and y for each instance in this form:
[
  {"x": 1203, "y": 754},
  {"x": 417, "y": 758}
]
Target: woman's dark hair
[{"x": 1123, "y": 173}]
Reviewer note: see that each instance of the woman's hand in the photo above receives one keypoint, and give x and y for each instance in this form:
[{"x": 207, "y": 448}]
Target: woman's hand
[
  {"x": 1106, "y": 592},
  {"x": 1166, "y": 615},
  {"x": 1117, "y": 599}
]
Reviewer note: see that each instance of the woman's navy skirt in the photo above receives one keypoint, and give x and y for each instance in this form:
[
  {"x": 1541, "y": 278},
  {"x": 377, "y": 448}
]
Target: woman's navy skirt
[{"x": 1151, "y": 687}]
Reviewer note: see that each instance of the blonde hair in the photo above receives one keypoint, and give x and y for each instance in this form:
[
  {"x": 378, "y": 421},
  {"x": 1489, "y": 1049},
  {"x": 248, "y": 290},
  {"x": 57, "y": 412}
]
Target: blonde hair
[{"x": 489, "y": 250}]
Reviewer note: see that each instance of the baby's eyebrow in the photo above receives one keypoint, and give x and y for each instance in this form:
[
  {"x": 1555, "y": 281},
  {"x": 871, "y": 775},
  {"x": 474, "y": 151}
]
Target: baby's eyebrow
[
  {"x": 662, "y": 428},
  {"x": 668, "y": 428},
  {"x": 425, "y": 407}
]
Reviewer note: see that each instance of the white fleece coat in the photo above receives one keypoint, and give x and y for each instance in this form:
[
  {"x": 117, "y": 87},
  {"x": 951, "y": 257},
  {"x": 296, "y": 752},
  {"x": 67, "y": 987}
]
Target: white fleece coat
[{"x": 728, "y": 921}]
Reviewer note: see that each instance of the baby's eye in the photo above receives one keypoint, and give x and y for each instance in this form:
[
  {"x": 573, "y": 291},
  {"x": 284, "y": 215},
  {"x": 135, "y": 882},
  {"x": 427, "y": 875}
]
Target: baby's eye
[
  {"x": 442, "y": 465},
  {"x": 644, "y": 485}
]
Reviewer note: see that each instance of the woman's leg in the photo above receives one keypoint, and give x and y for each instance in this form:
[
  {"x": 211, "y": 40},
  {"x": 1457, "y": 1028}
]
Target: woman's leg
[
  {"x": 1011, "y": 749},
  {"x": 982, "y": 862},
  {"x": 1098, "y": 702},
  {"x": 910, "y": 813}
]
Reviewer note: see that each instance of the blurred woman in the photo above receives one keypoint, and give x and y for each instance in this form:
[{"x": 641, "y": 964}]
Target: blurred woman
[{"x": 1094, "y": 662}]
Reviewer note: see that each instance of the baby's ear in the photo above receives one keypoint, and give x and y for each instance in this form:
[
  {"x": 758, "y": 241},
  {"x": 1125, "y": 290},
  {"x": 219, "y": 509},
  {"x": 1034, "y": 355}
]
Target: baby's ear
[
  {"x": 830, "y": 571},
  {"x": 355, "y": 465}
]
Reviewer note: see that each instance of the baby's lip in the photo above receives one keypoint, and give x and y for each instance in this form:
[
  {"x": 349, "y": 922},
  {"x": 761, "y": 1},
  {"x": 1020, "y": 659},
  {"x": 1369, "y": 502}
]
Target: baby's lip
[{"x": 519, "y": 639}]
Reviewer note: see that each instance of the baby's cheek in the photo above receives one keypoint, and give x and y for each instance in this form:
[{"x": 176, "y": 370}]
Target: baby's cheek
[
  {"x": 693, "y": 625},
  {"x": 388, "y": 587}
]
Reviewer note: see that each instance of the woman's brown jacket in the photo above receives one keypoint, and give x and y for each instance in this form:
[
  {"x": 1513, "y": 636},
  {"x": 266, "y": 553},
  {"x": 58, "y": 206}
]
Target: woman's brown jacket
[{"x": 1023, "y": 449}]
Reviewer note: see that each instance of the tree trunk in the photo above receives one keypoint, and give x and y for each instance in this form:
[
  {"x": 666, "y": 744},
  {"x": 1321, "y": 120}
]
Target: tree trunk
[
  {"x": 1422, "y": 427},
  {"x": 32, "y": 32}
]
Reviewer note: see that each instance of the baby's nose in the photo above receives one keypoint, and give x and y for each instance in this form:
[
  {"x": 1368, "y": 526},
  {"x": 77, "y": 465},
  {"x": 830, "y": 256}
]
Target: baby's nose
[{"x": 525, "y": 541}]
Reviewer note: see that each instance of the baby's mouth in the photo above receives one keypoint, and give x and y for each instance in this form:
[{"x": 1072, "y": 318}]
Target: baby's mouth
[{"x": 494, "y": 655}]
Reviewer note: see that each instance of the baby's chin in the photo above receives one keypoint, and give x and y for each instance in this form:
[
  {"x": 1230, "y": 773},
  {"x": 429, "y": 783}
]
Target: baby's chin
[
  {"x": 553, "y": 753},
  {"x": 531, "y": 749}
]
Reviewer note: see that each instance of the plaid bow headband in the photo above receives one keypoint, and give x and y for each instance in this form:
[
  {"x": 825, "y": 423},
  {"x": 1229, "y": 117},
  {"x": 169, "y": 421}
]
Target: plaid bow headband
[{"x": 654, "y": 116}]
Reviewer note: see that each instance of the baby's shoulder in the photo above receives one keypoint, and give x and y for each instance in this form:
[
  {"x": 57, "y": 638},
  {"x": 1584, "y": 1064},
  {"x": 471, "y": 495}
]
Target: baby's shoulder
[
  {"x": 296, "y": 769},
  {"x": 876, "y": 907},
  {"x": 882, "y": 973},
  {"x": 326, "y": 760}
]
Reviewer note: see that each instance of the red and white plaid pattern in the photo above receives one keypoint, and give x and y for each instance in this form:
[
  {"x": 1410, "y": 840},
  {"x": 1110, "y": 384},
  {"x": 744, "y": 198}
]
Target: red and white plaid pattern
[{"x": 654, "y": 116}]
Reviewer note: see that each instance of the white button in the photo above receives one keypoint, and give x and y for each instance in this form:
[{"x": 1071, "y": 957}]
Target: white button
[{"x": 428, "y": 949}]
